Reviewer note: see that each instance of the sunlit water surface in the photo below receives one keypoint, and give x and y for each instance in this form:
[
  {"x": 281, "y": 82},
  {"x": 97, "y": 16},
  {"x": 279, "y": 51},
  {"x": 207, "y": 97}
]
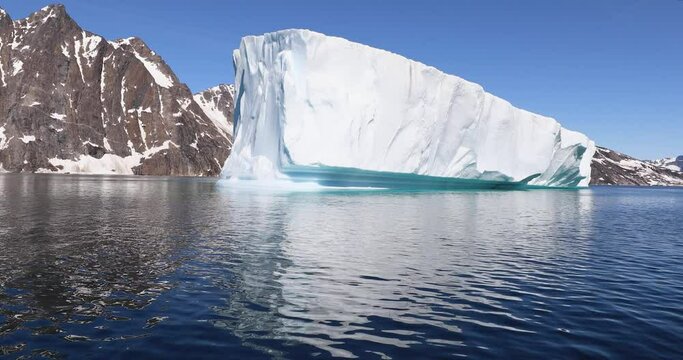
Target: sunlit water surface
[{"x": 115, "y": 267}]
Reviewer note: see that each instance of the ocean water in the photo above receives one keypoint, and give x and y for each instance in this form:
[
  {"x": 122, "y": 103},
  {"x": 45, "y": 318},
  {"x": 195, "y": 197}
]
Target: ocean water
[{"x": 132, "y": 267}]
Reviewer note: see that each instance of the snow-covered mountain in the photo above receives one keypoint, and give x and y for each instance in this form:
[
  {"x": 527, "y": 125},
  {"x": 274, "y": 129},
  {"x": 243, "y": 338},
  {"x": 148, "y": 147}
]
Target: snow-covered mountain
[
  {"x": 218, "y": 103},
  {"x": 672, "y": 163},
  {"x": 331, "y": 110},
  {"x": 614, "y": 168},
  {"x": 71, "y": 101}
]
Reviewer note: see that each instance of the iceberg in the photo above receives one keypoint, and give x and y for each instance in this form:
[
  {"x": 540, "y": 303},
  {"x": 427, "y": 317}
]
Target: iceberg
[{"x": 323, "y": 109}]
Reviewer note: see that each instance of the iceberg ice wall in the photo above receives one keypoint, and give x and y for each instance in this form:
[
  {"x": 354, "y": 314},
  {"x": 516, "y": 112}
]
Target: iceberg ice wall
[{"x": 311, "y": 106}]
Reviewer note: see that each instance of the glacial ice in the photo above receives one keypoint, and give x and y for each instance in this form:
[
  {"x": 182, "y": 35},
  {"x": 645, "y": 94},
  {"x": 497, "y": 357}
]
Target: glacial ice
[{"x": 319, "y": 108}]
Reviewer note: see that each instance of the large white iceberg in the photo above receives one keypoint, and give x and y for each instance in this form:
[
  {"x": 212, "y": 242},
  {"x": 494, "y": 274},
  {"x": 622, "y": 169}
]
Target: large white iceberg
[{"x": 322, "y": 108}]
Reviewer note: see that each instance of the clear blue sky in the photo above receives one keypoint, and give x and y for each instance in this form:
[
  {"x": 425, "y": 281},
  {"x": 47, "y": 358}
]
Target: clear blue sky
[{"x": 612, "y": 69}]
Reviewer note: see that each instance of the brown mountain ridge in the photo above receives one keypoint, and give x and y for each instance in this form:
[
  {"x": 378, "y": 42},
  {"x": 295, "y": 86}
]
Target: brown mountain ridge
[{"x": 71, "y": 101}]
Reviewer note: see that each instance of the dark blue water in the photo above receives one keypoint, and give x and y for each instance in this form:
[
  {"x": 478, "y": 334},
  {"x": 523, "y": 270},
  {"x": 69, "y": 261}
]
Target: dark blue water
[{"x": 101, "y": 267}]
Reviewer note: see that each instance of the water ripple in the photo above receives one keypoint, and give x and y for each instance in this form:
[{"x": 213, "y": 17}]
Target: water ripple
[{"x": 176, "y": 268}]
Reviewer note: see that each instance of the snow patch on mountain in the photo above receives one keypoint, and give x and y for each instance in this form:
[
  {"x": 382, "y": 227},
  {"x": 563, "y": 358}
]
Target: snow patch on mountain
[
  {"x": 671, "y": 163},
  {"x": 56, "y": 116},
  {"x": 160, "y": 78},
  {"x": 85, "y": 47},
  {"x": 218, "y": 103},
  {"x": 107, "y": 164},
  {"x": 17, "y": 67},
  {"x": 3, "y": 139}
]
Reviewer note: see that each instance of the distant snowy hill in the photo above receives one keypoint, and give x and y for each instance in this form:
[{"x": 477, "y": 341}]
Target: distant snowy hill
[
  {"x": 613, "y": 168},
  {"x": 671, "y": 163},
  {"x": 71, "y": 101}
]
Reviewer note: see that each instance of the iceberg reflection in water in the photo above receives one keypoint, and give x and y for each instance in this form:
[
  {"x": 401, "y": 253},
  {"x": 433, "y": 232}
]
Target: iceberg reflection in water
[{"x": 400, "y": 273}]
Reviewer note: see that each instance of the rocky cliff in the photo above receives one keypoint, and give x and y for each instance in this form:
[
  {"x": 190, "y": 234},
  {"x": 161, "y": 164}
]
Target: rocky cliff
[
  {"x": 71, "y": 101},
  {"x": 613, "y": 168}
]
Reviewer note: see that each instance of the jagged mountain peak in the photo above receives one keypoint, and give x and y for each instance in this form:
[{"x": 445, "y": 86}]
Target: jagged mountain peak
[
  {"x": 49, "y": 13},
  {"x": 5, "y": 20},
  {"x": 131, "y": 41},
  {"x": 223, "y": 87},
  {"x": 52, "y": 10},
  {"x": 71, "y": 101},
  {"x": 218, "y": 90}
]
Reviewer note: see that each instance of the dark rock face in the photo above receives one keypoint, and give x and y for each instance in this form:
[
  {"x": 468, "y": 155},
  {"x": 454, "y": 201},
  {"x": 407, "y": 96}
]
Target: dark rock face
[
  {"x": 613, "y": 168},
  {"x": 71, "y": 101},
  {"x": 679, "y": 162}
]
